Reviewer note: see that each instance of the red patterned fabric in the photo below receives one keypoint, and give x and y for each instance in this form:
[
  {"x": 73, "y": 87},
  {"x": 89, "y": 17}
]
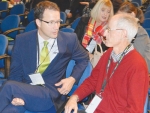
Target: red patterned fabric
[{"x": 90, "y": 33}]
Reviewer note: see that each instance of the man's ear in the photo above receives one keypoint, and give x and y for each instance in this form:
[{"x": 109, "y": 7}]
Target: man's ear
[
  {"x": 133, "y": 14},
  {"x": 124, "y": 33},
  {"x": 38, "y": 23}
]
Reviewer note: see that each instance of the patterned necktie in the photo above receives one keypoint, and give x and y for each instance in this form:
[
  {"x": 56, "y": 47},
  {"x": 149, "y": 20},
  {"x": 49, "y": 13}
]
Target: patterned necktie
[{"x": 44, "y": 58}]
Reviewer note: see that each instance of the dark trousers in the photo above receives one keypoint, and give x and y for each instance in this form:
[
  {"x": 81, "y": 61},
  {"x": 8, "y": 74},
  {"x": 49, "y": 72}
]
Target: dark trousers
[{"x": 36, "y": 98}]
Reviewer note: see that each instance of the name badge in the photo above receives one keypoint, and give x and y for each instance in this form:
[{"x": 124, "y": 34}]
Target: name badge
[
  {"x": 36, "y": 79},
  {"x": 94, "y": 104}
]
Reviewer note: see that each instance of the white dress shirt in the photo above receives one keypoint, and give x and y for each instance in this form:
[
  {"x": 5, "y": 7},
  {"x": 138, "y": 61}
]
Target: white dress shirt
[{"x": 52, "y": 47}]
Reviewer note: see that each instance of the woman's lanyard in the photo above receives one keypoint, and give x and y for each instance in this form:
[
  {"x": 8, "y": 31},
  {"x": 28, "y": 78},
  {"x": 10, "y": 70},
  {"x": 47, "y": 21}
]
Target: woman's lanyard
[
  {"x": 39, "y": 54},
  {"x": 108, "y": 66}
]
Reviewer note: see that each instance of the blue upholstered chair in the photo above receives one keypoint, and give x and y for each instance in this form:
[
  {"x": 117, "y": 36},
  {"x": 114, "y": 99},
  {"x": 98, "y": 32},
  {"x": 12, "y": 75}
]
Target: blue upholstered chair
[
  {"x": 70, "y": 30},
  {"x": 3, "y": 56},
  {"x": 30, "y": 16},
  {"x": 3, "y": 46},
  {"x": 146, "y": 105},
  {"x": 3, "y": 9},
  {"x": 138, "y": 1},
  {"x": 147, "y": 14},
  {"x": 31, "y": 26},
  {"x": 146, "y": 25},
  {"x": 9, "y": 24},
  {"x": 75, "y": 23},
  {"x": 18, "y": 9},
  {"x": 69, "y": 69},
  {"x": 136, "y": 4},
  {"x": 148, "y": 8},
  {"x": 63, "y": 16}
]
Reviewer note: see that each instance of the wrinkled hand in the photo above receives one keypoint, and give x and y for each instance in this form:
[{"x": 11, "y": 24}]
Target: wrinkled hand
[
  {"x": 72, "y": 104},
  {"x": 18, "y": 102},
  {"x": 67, "y": 84}
]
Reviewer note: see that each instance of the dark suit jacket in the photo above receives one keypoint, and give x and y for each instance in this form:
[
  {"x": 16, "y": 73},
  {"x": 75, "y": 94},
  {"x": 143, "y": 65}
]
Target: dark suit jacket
[{"x": 24, "y": 61}]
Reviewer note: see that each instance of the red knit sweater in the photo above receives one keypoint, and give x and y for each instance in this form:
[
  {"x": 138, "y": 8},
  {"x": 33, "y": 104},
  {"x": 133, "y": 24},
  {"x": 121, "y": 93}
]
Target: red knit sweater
[{"x": 126, "y": 90}]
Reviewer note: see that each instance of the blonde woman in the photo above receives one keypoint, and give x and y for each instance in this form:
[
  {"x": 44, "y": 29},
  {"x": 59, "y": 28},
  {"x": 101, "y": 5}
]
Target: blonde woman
[{"x": 100, "y": 15}]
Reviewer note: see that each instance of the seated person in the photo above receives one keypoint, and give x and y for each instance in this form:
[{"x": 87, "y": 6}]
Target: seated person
[
  {"x": 43, "y": 53},
  {"x": 120, "y": 79},
  {"x": 100, "y": 14},
  {"x": 141, "y": 41},
  {"x": 76, "y": 10}
]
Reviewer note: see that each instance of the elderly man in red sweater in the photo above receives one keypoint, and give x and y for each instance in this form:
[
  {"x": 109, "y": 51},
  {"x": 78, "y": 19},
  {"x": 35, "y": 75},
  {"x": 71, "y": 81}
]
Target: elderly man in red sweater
[{"x": 120, "y": 79}]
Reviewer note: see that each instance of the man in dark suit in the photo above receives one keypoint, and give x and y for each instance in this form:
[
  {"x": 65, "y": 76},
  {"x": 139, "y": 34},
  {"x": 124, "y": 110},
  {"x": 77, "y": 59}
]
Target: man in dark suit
[{"x": 17, "y": 94}]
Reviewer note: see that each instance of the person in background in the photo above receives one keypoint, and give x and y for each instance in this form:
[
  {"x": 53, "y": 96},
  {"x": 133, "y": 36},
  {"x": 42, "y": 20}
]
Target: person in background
[
  {"x": 116, "y": 5},
  {"x": 141, "y": 41},
  {"x": 120, "y": 79},
  {"x": 43, "y": 53},
  {"x": 100, "y": 15}
]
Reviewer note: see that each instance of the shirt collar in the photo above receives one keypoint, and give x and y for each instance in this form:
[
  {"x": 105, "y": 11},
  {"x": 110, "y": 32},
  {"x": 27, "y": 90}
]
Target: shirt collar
[
  {"x": 117, "y": 57},
  {"x": 41, "y": 40}
]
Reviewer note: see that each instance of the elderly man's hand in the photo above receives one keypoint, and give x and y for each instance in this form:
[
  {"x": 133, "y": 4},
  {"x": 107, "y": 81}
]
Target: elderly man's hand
[
  {"x": 72, "y": 104},
  {"x": 18, "y": 102},
  {"x": 66, "y": 84}
]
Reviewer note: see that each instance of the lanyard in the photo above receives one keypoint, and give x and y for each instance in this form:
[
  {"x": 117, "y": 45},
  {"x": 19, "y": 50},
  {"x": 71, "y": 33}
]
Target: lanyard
[
  {"x": 108, "y": 66},
  {"x": 39, "y": 54}
]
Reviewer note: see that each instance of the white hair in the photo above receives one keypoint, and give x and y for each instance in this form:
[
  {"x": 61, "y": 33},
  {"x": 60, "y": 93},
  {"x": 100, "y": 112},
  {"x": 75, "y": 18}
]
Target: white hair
[{"x": 128, "y": 23}]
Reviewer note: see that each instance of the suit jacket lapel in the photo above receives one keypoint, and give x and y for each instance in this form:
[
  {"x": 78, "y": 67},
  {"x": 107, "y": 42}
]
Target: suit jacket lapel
[
  {"x": 61, "y": 43},
  {"x": 33, "y": 52}
]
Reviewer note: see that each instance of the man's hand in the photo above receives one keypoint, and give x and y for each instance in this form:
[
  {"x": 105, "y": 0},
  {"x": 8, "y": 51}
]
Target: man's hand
[
  {"x": 67, "y": 84},
  {"x": 17, "y": 102},
  {"x": 72, "y": 104}
]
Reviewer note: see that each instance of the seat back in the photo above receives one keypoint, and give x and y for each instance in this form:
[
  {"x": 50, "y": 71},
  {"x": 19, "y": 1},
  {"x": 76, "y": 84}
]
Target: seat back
[
  {"x": 147, "y": 14},
  {"x": 148, "y": 8},
  {"x": 138, "y": 1},
  {"x": 30, "y": 16},
  {"x": 3, "y": 6},
  {"x": 31, "y": 26},
  {"x": 146, "y": 25},
  {"x": 63, "y": 16},
  {"x": 18, "y": 9},
  {"x": 135, "y": 4},
  {"x": 3, "y": 46},
  {"x": 146, "y": 105},
  {"x": 10, "y": 22},
  {"x": 75, "y": 23},
  {"x": 86, "y": 73},
  {"x": 70, "y": 30}
]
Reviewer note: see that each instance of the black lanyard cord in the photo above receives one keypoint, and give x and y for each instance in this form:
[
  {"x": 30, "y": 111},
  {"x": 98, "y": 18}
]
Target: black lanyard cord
[
  {"x": 108, "y": 66},
  {"x": 39, "y": 54}
]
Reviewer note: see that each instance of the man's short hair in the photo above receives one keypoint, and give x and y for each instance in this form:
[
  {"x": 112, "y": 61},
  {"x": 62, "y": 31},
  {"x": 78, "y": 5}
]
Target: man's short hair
[
  {"x": 128, "y": 23},
  {"x": 40, "y": 8}
]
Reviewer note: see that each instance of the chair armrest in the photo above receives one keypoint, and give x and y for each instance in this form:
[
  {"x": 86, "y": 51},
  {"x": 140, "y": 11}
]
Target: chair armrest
[
  {"x": 22, "y": 14},
  {"x": 4, "y": 56},
  {"x": 62, "y": 25},
  {"x": 12, "y": 30},
  {"x": 3, "y": 11}
]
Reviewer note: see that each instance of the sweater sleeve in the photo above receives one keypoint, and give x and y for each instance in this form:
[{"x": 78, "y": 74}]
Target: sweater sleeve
[
  {"x": 96, "y": 77},
  {"x": 137, "y": 90}
]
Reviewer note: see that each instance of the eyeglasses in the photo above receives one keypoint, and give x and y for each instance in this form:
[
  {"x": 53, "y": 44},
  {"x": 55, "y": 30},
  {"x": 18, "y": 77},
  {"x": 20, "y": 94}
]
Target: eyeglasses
[
  {"x": 109, "y": 30},
  {"x": 50, "y": 23}
]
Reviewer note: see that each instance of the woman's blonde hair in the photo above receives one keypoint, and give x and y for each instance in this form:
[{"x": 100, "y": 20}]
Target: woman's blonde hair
[{"x": 98, "y": 6}]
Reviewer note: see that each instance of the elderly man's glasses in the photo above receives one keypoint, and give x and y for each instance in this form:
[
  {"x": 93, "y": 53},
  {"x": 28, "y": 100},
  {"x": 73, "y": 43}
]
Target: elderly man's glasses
[
  {"x": 52, "y": 22},
  {"x": 109, "y": 30}
]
